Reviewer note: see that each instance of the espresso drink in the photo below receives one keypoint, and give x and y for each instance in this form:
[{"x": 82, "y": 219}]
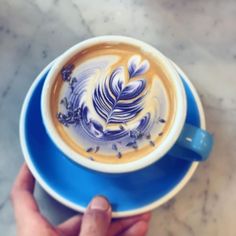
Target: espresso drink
[{"x": 113, "y": 103}]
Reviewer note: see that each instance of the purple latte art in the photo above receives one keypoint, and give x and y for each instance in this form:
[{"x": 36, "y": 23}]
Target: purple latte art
[{"x": 112, "y": 110}]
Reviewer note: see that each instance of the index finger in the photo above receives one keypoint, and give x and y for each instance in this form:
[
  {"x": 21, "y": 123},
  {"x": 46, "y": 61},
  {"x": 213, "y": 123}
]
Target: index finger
[{"x": 23, "y": 201}]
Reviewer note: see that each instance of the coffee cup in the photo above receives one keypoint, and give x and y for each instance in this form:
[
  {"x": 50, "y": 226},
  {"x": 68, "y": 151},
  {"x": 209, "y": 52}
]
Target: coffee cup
[{"x": 115, "y": 104}]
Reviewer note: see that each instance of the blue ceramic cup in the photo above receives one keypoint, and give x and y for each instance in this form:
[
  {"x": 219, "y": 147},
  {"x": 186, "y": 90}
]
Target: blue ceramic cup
[{"x": 183, "y": 141}]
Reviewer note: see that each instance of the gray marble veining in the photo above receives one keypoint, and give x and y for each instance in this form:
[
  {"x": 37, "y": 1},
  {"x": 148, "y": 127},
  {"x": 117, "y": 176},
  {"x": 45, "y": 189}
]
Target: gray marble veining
[{"x": 199, "y": 35}]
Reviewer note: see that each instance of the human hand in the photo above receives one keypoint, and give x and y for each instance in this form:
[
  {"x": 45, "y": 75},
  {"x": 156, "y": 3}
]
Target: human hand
[{"x": 96, "y": 221}]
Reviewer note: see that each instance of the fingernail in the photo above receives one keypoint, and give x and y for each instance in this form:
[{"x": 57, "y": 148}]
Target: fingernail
[{"x": 99, "y": 203}]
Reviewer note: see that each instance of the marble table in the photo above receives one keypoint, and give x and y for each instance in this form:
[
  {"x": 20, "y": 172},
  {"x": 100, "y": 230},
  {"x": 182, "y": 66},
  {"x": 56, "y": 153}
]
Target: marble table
[{"x": 200, "y": 36}]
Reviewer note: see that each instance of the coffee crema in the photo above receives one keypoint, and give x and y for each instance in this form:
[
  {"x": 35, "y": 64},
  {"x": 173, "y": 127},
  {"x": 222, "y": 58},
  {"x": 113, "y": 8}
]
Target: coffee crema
[{"x": 113, "y": 103}]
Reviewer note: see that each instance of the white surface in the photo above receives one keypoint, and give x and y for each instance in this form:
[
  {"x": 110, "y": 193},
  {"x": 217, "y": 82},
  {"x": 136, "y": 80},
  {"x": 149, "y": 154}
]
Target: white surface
[{"x": 199, "y": 35}]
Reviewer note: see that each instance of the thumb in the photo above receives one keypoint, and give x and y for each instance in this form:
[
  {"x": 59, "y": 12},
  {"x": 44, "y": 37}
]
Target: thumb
[{"x": 97, "y": 218}]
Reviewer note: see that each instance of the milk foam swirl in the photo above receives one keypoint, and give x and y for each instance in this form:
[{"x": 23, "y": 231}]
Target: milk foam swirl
[{"x": 100, "y": 104}]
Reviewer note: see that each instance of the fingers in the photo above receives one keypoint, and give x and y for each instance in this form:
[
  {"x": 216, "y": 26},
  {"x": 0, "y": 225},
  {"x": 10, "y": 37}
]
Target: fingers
[
  {"x": 24, "y": 180},
  {"x": 138, "y": 229},
  {"x": 70, "y": 227},
  {"x": 97, "y": 218},
  {"x": 120, "y": 225},
  {"x": 22, "y": 195}
]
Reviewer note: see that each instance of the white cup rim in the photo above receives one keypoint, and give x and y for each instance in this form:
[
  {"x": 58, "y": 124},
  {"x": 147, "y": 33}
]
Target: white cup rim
[{"x": 152, "y": 157}]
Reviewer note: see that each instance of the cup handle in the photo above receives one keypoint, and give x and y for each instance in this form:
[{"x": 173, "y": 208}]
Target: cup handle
[{"x": 193, "y": 144}]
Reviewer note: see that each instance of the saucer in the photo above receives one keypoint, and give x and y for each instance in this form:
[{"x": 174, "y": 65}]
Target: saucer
[{"x": 74, "y": 186}]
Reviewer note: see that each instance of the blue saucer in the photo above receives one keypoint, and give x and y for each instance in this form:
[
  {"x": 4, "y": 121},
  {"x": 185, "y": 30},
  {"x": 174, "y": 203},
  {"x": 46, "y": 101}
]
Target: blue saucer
[{"x": 74, "y": 186}]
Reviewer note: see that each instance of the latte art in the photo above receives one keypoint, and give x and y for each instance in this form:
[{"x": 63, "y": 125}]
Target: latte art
[{"x": 112, "y": 107}]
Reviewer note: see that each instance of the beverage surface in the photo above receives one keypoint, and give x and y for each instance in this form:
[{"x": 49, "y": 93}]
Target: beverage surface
[{"x": 113, "y": 103}]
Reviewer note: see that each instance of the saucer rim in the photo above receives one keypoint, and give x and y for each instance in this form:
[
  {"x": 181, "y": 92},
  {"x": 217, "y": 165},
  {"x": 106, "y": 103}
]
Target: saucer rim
[{"x": 77, "y": 207}]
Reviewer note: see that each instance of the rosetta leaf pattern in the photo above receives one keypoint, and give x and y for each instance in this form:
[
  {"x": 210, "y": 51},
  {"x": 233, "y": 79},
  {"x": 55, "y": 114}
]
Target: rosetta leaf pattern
[
  {"x": 118, "y": 102},
  {"x": 117, "y": 99}
]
